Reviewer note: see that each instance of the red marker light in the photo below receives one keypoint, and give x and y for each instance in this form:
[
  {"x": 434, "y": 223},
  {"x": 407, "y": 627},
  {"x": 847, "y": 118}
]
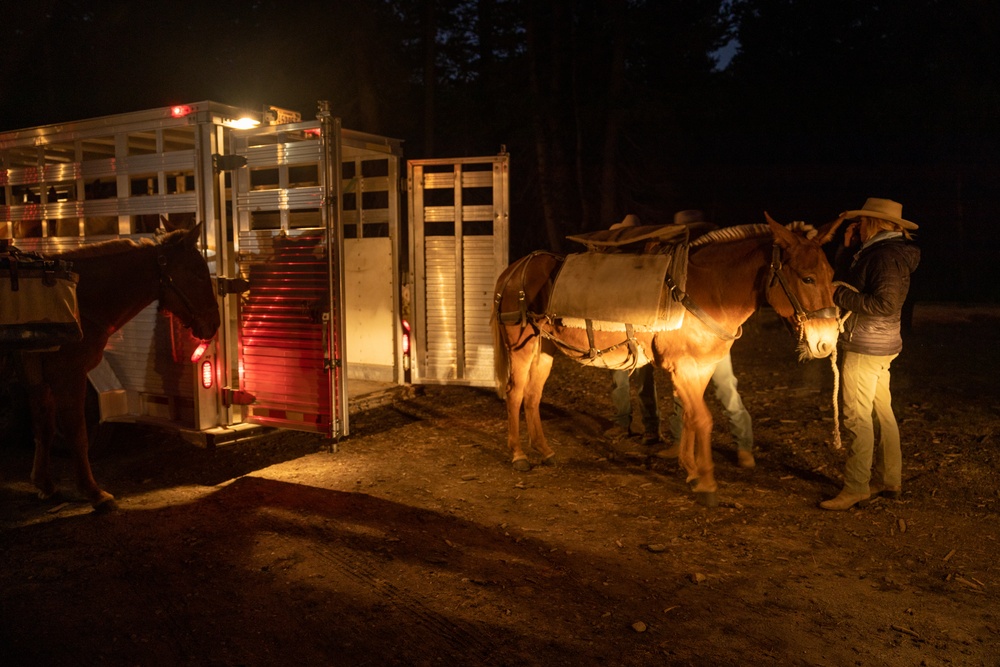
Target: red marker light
[
  {"x": 207, "y": 374},
  {"x": 199, "y": 352},
  {"x": 180, "y": 110}
]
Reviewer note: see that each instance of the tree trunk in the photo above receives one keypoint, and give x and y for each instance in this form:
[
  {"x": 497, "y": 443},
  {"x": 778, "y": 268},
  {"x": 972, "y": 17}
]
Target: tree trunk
[
  {"x": 430, "y": 74},
  {"x": 610, "y": 171}
]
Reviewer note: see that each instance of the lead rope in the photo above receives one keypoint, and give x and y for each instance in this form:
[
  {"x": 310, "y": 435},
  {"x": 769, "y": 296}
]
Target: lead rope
[{"x": 836, "y": 371}]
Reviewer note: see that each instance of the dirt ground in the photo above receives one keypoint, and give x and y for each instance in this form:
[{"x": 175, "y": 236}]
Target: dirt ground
[{"x": 416, "y": 543}]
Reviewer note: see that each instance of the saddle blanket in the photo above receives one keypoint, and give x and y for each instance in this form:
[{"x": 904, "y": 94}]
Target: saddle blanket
[
  {"x": 615, "y": 289},
  {"x": 38, "y": 307}
]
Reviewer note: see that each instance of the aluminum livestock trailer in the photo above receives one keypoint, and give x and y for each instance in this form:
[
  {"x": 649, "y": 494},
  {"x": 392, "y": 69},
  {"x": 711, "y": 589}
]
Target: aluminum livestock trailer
[{"x": 343, "y": 276}]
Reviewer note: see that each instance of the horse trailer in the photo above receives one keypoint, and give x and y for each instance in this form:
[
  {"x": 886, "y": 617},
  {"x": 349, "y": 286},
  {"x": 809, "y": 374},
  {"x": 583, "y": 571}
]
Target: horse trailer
[{"x": 343, "y": 280}]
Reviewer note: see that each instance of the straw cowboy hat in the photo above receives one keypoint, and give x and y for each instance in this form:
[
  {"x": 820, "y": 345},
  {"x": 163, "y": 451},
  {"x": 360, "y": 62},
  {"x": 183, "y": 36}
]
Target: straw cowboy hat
[
  {"x": 630, "y": 220},
  {"x": 883, "y": 209},
  {"x": 690, "y": 216}
]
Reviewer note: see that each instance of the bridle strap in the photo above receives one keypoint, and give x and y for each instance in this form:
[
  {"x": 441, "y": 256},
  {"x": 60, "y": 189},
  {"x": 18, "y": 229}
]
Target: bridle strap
[
  {"x": 801, "y": 314},
  {"x": 167, "y": 282}
]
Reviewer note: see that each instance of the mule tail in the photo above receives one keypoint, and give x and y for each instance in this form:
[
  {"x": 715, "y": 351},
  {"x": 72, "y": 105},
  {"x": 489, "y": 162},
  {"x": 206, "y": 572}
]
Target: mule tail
[{"x": 501, "y": 353}]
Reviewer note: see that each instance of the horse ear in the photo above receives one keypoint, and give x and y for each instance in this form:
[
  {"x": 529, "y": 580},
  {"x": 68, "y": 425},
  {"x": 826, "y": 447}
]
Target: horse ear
[
  {"x": 783, "y": 236},
  {"x": 193, "y": 235},
  {"x": 827, "y": 231}
]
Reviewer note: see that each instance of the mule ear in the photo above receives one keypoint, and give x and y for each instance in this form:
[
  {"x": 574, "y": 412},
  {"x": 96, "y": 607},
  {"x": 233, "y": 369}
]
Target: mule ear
[
  {"x": 827, "y": 231},
  {"x": 783, "y": 236}
]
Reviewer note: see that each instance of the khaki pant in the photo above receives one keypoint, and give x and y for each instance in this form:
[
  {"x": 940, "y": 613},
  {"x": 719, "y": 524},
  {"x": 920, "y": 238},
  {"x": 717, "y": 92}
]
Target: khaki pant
[{"x": 867, "y": 403}]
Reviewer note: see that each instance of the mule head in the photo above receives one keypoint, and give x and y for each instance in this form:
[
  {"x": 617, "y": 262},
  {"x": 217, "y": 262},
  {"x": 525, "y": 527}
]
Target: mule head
[
  {"x": 800, "y": 287},
  {"x": 186, "y": 287}
]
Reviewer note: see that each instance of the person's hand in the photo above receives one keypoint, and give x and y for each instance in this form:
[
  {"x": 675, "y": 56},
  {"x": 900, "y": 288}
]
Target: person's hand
[{"x": 849, "y": 234}]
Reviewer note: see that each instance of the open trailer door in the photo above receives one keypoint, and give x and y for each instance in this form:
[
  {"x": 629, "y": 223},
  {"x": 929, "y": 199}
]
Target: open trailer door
[
  {"x": 459, "y": 245},
  {"x": 286, "y": 223}
]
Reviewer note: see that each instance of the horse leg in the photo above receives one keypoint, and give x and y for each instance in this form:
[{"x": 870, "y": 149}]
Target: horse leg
[
  {"x": 73, "y": 425},
  {"x": 537, "y": 377},
  {"x": 43, "y": 432},
  {"x": 43, "y": 414}
]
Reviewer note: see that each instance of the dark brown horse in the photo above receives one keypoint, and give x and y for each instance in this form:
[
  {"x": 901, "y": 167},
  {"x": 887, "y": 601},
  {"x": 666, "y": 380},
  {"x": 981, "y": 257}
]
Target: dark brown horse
[
  {"x": 118, "y": 279},
  {"x": 731, "y": 272}
]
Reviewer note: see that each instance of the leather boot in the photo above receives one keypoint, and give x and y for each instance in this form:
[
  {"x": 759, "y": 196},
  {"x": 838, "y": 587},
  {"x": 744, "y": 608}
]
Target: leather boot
[
  {"x": 744, "y": 459},
  {"x": 845, "y": 501},
  {"x": 670, "y": 452}
]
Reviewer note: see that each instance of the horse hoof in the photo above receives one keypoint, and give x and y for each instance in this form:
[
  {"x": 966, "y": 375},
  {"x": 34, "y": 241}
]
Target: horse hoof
[
  {"x": 105, "y": 504},
  {"x": 707, "y": 498},
  {"x": 522, "y": 465}
]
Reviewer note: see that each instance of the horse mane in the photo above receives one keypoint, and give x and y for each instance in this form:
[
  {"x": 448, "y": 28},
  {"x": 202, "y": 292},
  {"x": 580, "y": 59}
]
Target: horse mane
[
  {"x": 741, "y": 232},
  {"x": 117, "y": 246}
]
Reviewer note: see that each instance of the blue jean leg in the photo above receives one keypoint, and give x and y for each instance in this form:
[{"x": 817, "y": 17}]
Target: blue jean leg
[
  {"x": 621, "y": 398},
  {"x": 649, "y": 406},
  {"x": 740, "y": 423}
]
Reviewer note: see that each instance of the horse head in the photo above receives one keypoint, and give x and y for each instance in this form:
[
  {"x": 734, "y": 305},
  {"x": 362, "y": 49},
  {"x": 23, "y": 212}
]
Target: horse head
[
  {"x": 800, "y": 287},
  {"x": 186, "y": 287}
]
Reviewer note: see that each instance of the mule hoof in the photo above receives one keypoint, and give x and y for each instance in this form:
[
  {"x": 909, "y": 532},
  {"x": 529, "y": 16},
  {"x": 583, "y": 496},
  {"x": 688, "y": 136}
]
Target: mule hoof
[
  {"x": 549, "y": 460},
  {"x": 522, "y": 465},
  {"x": 707, "y": 498}
]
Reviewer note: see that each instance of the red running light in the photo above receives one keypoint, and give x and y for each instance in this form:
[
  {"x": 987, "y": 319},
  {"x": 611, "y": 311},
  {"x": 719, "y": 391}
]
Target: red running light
[
  {"x": 180, "y": 111},
  {"x": 199, "y": 352},
  {"x": 207, "y": 374}
]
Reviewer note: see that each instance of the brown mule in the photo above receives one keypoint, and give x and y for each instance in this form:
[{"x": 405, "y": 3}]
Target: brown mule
[{"x": 731, "y": 273}]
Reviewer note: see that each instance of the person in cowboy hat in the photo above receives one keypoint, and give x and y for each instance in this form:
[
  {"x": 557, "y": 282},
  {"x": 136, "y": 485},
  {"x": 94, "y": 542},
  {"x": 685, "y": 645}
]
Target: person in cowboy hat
[
  {"x": 621, "y": 394},
  {"x": 876, "y": 282}
]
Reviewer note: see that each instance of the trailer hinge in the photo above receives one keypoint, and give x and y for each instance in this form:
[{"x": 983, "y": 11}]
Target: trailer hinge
[
  {"x": 232, "y": 396},
  {"x": 228, "y": 162},
  {"x": 224, "y": 286},
  {"x": 331, "y": 363}
]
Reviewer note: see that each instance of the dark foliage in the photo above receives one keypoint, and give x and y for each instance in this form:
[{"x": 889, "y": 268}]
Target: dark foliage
[{"x": 607, "y": 107}]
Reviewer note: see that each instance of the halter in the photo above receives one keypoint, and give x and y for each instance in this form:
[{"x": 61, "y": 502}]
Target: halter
[
  {"x": 167, "y": 282},
  {"x": 801, "y": 314}
]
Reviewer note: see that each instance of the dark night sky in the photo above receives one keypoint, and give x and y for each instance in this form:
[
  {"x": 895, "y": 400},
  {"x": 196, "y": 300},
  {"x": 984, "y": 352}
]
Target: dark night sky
[{"x": 797, "y": 130}]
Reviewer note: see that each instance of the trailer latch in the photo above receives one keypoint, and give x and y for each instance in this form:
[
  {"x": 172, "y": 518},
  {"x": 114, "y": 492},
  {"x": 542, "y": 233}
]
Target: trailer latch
[
  {"x": 224, "y": 286},
  {"x": 232, "y": 396}
]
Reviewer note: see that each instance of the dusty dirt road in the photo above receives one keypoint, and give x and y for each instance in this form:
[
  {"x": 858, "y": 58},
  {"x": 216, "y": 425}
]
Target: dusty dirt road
[{"x": 416, "y": 543}]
